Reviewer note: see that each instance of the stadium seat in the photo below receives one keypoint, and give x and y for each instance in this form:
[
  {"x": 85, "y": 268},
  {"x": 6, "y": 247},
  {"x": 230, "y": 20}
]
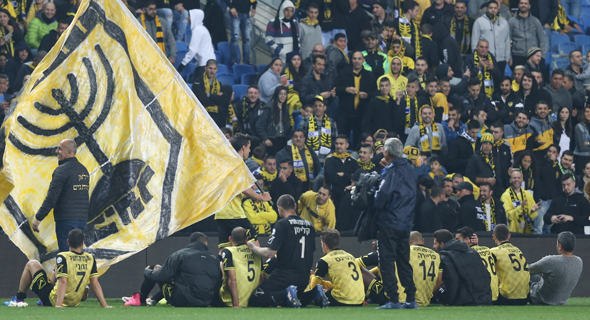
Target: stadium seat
[
  {"x": 190, "y": 85},
  {"x": 222, "y": 68},
  {"x": 181, "y": 46},
  {"x": 585, "y": 49},
  {"x": 548, "y": 61},
  {"x": 240, "y": 69},
  {"x": 217, "y": 56},
  {"x": 179, "y": 57},
  {"x": 565, "y": 48},
  {"x": 223, "y": 48},
  {"x": 225, "y": 78},
  {"x": 249, "y": 79},
  {"x": 581, "y": 39},
  {"x": 240, "y": 91},
  {"x": 560, "y": 63},
  {"x": 261, "y": 68},
  {"x": 556, "y": 39},
  {"x": 508, "y": 71},
  {"x": 188, "y": 70}
]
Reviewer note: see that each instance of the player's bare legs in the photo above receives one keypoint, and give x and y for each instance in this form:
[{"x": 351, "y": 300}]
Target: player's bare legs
[{"x": 27, "y": 277}]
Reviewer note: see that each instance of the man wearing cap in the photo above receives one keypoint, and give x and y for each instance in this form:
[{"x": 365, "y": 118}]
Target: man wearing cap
[
  {"x": 533, "y": 59},
  {"x": 375, "y": 61},
  {"x": 483, "y": 166},
  {"x": 320, "y": 130},
  {"x": 519, "y": 205},
  {"x": 428, "y": 136},
  {"x": 526, "y": 31},
  {"x": 379, "y": 16}
]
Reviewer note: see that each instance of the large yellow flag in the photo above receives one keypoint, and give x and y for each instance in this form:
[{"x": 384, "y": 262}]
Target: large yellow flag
[{"x": 157, "y": 162}]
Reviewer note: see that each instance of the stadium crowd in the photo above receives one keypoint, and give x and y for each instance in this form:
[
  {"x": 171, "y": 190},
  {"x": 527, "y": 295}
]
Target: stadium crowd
[{"x": 495, "y": 138}]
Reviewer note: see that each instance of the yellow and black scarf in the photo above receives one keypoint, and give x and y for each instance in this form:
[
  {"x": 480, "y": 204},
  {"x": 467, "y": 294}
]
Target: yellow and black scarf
[
  {"x": 327, "y": 11},
  {"x": 409, "y": 29},
  {"x": 299, "y": 165},
  {"x": 489, "y": 161},
  {"x": 260, "y": 207},
  {"x": 268, "y": 178},
  {"x": 524, "y": 217},
  {"x": 366, "y": 166},
  {"x": 246, "y": 113},
  {"x": 561, "y": 20},
  {"x": 377, "y": 145},
  {"x": 431, "y": 174},
  {"x": 425, "y": 140},
  {"x": 410, "y": 121},
  {"x": 499, "y": 142},
  {"x": 212, "y": 88},
  {"x": 530, "y": 181},
  {"x": 319, "y": 137},
  {"x": 493, "y": 17},
  {"x": 159, "y": 32},
  {"x": 466, "y": 39},
  {"x": 492, "y": 213},
  {"x": 232, "y": 120},
  {"x": 290, "y": 84},
  {"x": 310, "y": 22},
  {"x": 340, "y": 155},
  {"x": 9, "y": 46},
  {"x": 258, "y": 161},
  {"x": 485, "y": 76},
  {"x": 20, "y": 10},
  {"x": 357, "y": 85}
]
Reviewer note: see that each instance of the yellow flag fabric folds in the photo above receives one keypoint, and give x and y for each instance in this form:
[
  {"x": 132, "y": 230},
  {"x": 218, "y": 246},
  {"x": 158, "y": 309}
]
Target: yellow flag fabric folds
[{"x": 157, "y": 162}]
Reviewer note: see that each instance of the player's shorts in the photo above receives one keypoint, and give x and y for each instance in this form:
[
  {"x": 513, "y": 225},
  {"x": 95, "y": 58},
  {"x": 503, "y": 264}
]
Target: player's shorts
[
  {"x": 167, "y": 289},
  {"x": 225, "y": 227},
  {"x": 336, "y": 303},
  {"x": 42, "y": 287}
]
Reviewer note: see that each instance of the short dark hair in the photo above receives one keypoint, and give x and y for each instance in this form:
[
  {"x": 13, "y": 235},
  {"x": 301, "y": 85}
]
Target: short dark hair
[
  {"x": 326, "y": 187},
  {"x": 568, "y": 153},
  {"x": 476, "y": 112},
  {"x": 506, "y": 78},
  {"x": 67, "y": 20},
  {"x": 465, "y": 232},
  {"x": 453, "y": 108},
  {"x": 287, "y": 202},
  {"x": 498, "y": 124},
  {"x": 259, "y": 152},
  {"x": 431, "y": 79},
  {"x": 198, "y": 237},
  {"x": 435, "y": 158},
  {"x": 299, "y": 130},
  {"x": 446, "y": 180},
  {"x": 226, "y": 130},
  {"x": 338, "y": 36},
  {"x": 473, "y": 82},
  {"x": 558, "y": 72},
  {"x": 571, "y": 55},
  {"x": 501, "y": 232},
  {"x": 314, "y": 5},
  {"x": 426, "y": 29},
  {"x": 436, "y": 191},
  {"x": 211, "y": 62},
  {"x": 147, "y": 3},
  {"x": 76, "y": 238},
  {"x": 238, "y": 235},
  {"x": 410, "y": 5},
  {"x": 489, "y": 185},
  {"x": 422, "y": 58},
  {"x": 569, "y": 76},
  {"x": 240, "y": 140},
  {"x": 522, "y": 112},
  {"x": 442, "y": 235},
  {"x": 331, "y": 237},
  {"x": 383, "y": 79},
  {"x": 342, "y": 136},
  {"x": 288, "y": 161},
  {"x": 567, "y": 176},
  {"x": 567, "y": 240},
  {"x": 269, "y": 157},
  {"x": 314, "y": 59},
  {"x": 366, "y": 145},
  {"x": 473, "y": 125},
  {"x": 413, "y": 79}
]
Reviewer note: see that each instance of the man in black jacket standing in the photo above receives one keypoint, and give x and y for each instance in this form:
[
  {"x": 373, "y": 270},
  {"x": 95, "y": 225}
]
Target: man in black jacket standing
[
  {"x": 67, "y": 195},
  {"x": 463, "y": 148},
  {"x": 569, "y": 210},
  {"x": 430, "y": 217},
  {"x": 354, "y": 87},
  {"x": 190, "y": 277}
]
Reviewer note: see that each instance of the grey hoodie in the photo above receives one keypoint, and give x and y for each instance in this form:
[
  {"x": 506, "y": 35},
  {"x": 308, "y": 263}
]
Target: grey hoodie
[{"x": 526, "y": 32}]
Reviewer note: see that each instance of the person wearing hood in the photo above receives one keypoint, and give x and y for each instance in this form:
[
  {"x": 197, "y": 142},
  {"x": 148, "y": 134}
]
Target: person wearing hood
[
  {"x": 26, "y": 69},
  {"x": 200, "y": 47},
  {"x": 526, "y": 32},
  {"x": 398, "y": 49},
  {"x": 449, "y": 50},
  {"x": 158, "y": 30},
  {"x": 466, "y": 279},
  {"x": 496, "y": 30},
  {"x": 458, "y": 85},
  {"x": 463, "y": 148},
  {"x": 51, "y": 38},
  {"x": 282, "y": 33},
  {"x": 531, "y": 93},
  {"x": 484, "y": 66},
  {"x": 397, "y": 80},
  {"x": 22, "y": 55},
  {"x": 41, "y": 25}
]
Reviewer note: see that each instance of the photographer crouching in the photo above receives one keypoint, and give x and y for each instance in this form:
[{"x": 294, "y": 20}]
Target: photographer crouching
[{"x": 394, "y": 201}]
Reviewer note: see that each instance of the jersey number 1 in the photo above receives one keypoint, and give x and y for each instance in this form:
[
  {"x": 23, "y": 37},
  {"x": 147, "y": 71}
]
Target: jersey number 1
[{"x": 302, "y": 241}]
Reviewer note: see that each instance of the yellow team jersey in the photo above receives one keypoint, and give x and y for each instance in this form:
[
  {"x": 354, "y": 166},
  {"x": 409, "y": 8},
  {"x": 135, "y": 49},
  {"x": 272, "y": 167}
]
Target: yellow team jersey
[
  {"x": 78, "y": 268},
  {"x": 233, "y": 210},
  {"x": 344, "y": 271},
  {"x": 513, "y": 271},
  {"x": 425, "y": 264},
  {"x": 247, "y": 268},
  {"x": 260, "y": 214},
  {"x": 489, "y": 261},
  {"x": 322, "y": 217}
]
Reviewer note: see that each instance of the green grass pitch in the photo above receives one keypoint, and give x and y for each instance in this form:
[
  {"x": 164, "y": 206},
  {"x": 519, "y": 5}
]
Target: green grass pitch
[{"x": 577, "y": 308}]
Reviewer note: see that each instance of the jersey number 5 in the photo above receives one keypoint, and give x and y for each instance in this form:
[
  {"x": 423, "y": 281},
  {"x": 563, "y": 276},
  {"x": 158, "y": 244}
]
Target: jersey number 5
[
  {"x": 250, "y": 269},
  {"x": 513, "y": 259}
]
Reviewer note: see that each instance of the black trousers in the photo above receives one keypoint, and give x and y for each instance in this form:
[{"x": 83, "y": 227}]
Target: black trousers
[
  {"x": 510, "y": 302},
  {"x": 146, "y": 287},
  {"x": 348, "y": 123},
  {"x": 394, "y": 248},
  {"x": 272, "y": 292}
]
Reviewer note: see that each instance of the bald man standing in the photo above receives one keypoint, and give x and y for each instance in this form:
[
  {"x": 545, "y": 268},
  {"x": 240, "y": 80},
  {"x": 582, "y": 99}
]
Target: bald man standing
[{"x": 67, "y": 195}]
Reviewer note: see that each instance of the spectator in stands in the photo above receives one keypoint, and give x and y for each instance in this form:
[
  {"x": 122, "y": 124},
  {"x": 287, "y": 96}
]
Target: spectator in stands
[
  {"x": 177, "y": 13},
  {"x": 22, "y": 55},
  {"x": 559, "y": 95},
  {"x": 475, "y": 8},
  {"x": 583, "y": 180},
  {"x": 582, "y": 139},
  {"x": 507, "y": 101},
  {"x": 503, "y": 10},
  {"x": 463, "y": 148},
  {"x": 241, "y": 12},
  {"x": 407, "y": 27},
  {"x": 483, "y": 63},
  {"x": 428, "y": 136},
  {"x": 339, "y": 167},
  {"x": 335, "y": 53},
  {"x": 51, "y": 38},
  {"x": 459, "y": 26},
  {"x": 310, "y": 31},
  {"x": 248, "y": 111},
  {"x": 479, "y": 115},
  {"x": 531, "y": 93},
  {"x": 333, "y": 19},
  {"x": 546, "y": 12},
  {"x": 398, "y": 50},
  {"x": 316, "y": 83},
  {"x": 534, "y": 57},
  {"x": 429, "y": 47},
  {"x": 526, "y": 32},
  {"x": 214, "y": 20},
  {"x": 330, "y": 71},
  {"x": 483, "y": 166},
  {"x": 260, "y": 213},
  {"x": 282, "y": 33},
  {"x": 306, "y": 163},
  {"x": 318, "y": 208},
  {"x": 466, "y": 279},
  {"x": 519, "y": 205},
  {"x": 158, "y": 30},
  {"x": 358, "y": 20},
  {"x": 256, "y": 160},
  {"x": 9, "y": 26},
  {"x": 429, "y": 216},
  {"x": 5, "y": 98},
  {"x": 321, "y": 131},
  {"x": 553, "y": 278},
  {"x": 502, "y": 151},
  {"x": 380, "y": 17},
  {"x": 3, "y": 59},
  {"x": 286, "y": 182},
  {"x": 453, "y": 126},
  {"x": 396, "y": 78},
  {"x": 583, "y": 80},
  {"x": 569, "y": 210},
  {"x": 517, "y": 75},
  {"x": 268, "y": 172},
  {"x": 436, "y": 13},
  {"x": 375, "y": 61},
  {"x": 527, "y": 164},
  {"x": 420, "y": 72},
  {"x": 35, "y": 7},
  {"x": 273, "y": 125},
  {"x": 201, "y": 47},
  {"x": 476, "y": 101},
  {"x": 498, "y": 37},
  {"x": 563, "y": 24},
  {"x": 550, "y": 187},
  {"x": 27, "y": 69},
  {"x": 542, "y": 124},
  {"x": 449, "y": 207},
  {"x": 41, "y": 25},
  {"x": 294, "y": 73},
  {"x": 271, "y": 79},
  {"x": 353, "y": 88},
  {"x": 212, "y": 95},
  {"x": 492, "y": 207},
  {"x": 381, "y": 110},
  {"x": 578, "y": 97},
  {"x": 563, "y": 130}
]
